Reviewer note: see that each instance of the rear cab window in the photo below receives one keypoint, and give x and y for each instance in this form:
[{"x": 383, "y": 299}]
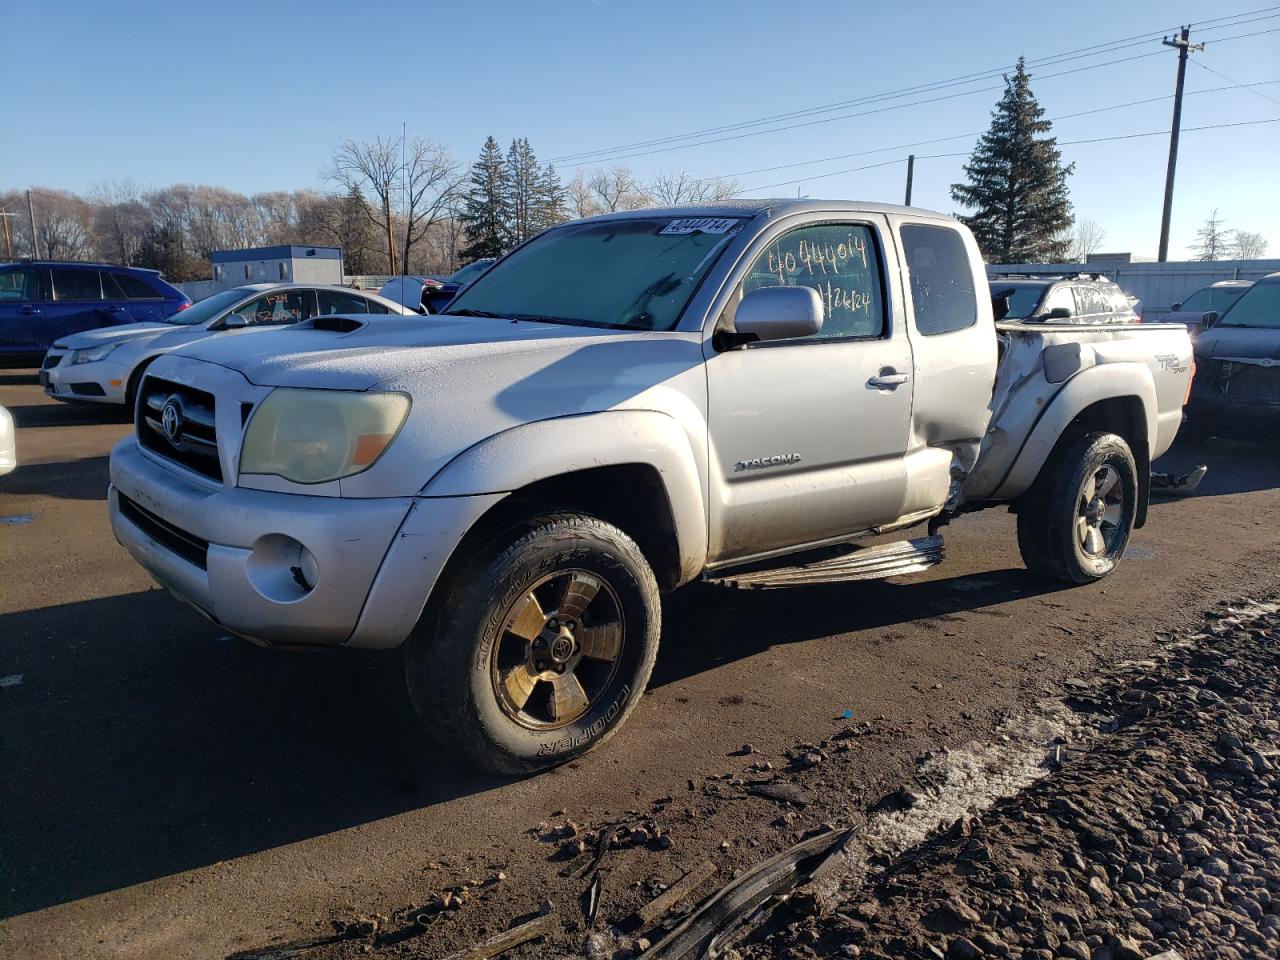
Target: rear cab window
[
  {"x": 841, "y": 261},
  {"x": 942, "y": 290}
]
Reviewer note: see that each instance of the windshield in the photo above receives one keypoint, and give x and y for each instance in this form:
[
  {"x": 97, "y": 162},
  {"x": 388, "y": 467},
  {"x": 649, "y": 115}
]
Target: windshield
[
  {"x": 1023, "y": 300},
  {"x": 1259, "y": 306},
  {"x": 470, "y": 271},
  {"x": 637, "y": 274},
  {"x": 1212, "y": 298},
  {"x": 208, "y": 308}
]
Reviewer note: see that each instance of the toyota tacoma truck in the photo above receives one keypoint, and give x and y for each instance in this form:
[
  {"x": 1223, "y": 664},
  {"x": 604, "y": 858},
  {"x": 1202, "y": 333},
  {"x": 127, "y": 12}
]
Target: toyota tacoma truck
[{"x": 752, "y": 394}]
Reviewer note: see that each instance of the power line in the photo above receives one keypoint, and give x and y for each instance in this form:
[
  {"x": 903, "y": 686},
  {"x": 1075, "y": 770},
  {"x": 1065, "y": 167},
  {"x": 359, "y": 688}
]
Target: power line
[
  {"x": 965, "y": 153},
  {"x": 976, "y": 133},
  {"x": 1242, "y": 86},
  {"x": 608, "y": 153}
]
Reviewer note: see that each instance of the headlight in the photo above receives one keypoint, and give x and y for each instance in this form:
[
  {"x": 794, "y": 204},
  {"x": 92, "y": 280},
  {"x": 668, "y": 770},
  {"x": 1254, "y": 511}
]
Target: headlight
[
  {"x": 310, "y": 436},
  {"x": 92, "y": 354}
]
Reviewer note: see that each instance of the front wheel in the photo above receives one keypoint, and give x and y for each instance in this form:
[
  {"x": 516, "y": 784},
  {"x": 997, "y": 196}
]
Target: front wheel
[
  {"x": 542, "y": 648},
  {"x": 1074, "y": 522}
]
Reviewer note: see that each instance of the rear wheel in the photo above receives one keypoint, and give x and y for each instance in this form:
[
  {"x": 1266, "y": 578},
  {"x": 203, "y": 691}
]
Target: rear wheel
[
  {"x": 1074, "y": 523},
  {"x": 542, "y": 648}
]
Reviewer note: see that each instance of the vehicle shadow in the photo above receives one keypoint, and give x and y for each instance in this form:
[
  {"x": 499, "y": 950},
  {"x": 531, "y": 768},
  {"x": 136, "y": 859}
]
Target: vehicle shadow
[
  {"x": 1235, "y": 466},
  {"x": 84, "y": 479},
  {"x": 67, "y": 415},
  {"x": 142, "y": 742}
]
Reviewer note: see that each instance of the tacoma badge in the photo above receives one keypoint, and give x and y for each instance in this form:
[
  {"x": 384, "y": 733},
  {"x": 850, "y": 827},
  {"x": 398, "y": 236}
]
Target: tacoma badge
[{"x": 760, "y": 463}]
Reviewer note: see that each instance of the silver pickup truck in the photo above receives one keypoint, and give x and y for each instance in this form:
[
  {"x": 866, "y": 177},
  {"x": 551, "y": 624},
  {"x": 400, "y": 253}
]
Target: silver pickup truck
[{"x": 745, "y": 393}]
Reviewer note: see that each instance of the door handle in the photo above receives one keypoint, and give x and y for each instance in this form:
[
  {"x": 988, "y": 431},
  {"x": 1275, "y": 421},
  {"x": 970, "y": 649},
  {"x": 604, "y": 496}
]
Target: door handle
[
  {"x": 30, "y": 311},
  {"x": 888, "y": 380}
]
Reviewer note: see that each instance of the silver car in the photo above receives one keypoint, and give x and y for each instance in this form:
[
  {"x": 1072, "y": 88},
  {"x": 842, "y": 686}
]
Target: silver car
[{"x": 106, "y": 365}]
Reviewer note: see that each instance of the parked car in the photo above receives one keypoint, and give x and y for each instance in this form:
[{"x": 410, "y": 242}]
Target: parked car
[
  {"x": 1063, "y": 298},
  {"x": 42, "y": 301},
  {"x": 8, "y": 443},
  {"x": 432, "y": 294},
  {"x": 743, "y": 393},
  {"x": 1215, "y": 298},
  {"x": 105, "y": 365},
  {"x": 1237, "y": 384}
]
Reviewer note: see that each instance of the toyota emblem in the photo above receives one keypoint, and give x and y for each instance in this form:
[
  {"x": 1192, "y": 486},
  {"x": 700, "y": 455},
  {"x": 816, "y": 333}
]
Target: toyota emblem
[{"x": 171, "y": 420}]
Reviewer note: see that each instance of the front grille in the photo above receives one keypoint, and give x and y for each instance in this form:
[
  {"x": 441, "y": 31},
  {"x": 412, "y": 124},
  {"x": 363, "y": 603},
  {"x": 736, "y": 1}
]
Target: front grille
[
  {"x": 186, "y": 545},
  {"x": 1244, "y": 381},
  {"x": 50, "y": 360},
  {"x": 177, "y": 422}
]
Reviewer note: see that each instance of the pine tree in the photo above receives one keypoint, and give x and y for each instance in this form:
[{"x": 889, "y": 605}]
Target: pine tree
[
  {"x": 1211, "y": 239},
  {"x": 1017, "y": 183},
  {"x": 486, "y": 214},
  {"x": 524, "y": 178},
  {"x": 550, "y": 205}
]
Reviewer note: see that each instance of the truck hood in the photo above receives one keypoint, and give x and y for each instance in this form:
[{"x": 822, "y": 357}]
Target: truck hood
[
  {"x": 124, "y": 332},
  {"x": 307, "y": 356},
  {"x": 1246, "y": 343}
]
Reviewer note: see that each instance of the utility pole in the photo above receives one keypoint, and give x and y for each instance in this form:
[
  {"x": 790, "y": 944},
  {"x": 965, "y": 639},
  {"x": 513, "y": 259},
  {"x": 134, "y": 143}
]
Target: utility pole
[
  {"x": 911, "y": 169},
  {"x": 1182, "y": 43},
  {"x": 35, "y": 244},
  {"x": 8, "y": 236}
]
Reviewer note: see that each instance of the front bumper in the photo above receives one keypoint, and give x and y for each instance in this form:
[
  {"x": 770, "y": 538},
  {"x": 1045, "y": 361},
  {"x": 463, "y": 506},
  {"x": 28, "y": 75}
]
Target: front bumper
[
  {"x": 1212, "y": 411},
  {"x": 102, "y": 382},
  {"x": 375, "y": 560}
]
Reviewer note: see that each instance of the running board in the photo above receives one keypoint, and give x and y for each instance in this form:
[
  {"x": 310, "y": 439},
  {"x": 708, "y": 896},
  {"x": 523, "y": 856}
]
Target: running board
[{"x": 869, "y": 563}]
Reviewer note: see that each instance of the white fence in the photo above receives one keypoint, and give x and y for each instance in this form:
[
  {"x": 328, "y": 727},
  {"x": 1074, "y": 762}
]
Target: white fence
[{"x": 1157, "y": 285}]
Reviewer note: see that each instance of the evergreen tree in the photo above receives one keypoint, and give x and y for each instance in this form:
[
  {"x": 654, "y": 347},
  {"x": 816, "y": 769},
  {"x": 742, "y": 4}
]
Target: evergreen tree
[
  {"x": 524, "y": 179},
  {"x": 551, "y": 199},
  {"x": 1017, "y": 183},
  {"x": 486, "y": 215},
  {"x": 1211, "y": 239}
]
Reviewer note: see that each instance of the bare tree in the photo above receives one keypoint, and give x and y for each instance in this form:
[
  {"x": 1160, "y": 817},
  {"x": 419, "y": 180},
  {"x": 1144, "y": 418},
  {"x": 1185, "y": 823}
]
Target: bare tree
[
  {"x": 64, "y": 225},
  {"x": 1246, "y": 245},
  {"x": 617, "y": 189},
  {"x": 372, "y": 169},
  {"x": 1087, "y": 236},
  {"x": 432, "y": 183},
  {"x": 580, "y": 199},
  {"x": 1211, "y": 239},
  {"x": 121, "y": 220},
  {"x": 683, "y": 187}
]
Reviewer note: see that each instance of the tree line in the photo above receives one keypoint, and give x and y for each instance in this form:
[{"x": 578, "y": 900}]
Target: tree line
[{"x": 393, "y": 205}]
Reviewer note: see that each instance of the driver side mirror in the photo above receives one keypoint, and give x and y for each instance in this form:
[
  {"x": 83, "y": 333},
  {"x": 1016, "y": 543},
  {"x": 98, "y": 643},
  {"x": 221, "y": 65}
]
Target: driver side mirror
[
  {"x": 1176, "y": 307},
  {"x": 1057, "y": 313},
  {"x": 234, "y": 321},
  {"x": 778, "y": 313},
  {"x": 1210, "y": 318}
]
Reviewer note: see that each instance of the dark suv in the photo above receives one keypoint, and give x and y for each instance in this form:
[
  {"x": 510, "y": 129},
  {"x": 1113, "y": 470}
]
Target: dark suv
[
  {"x": 1061, "y": 298},
  {"x": 42, "y": 300}
]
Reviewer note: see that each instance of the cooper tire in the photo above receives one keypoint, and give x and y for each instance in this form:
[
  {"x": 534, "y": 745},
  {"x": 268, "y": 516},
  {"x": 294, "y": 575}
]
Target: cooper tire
[
  {"x": 513, "y": 674},
  {"x": 1074, "y": 522}
]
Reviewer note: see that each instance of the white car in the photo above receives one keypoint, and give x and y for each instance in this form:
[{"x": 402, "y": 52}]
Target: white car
[
  {"x": 8, "y": 447},
  {"x": 106, "y": 365}
]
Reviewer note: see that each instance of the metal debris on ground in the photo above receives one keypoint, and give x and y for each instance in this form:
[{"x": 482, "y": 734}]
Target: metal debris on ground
[
  {"x": 591, "y": 904},
  {"x": 540, "y": 926},
  {"x": 659, "y": 906},
  {"x": 721, "y": 915}
]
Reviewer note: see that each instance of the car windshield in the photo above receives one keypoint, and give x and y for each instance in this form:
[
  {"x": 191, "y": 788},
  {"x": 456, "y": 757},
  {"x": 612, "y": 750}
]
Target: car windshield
[
  {"x": 1213, "y": 298},
  {"x": 207, "y": 309},
  {"x": 1259, "y": 306},
  {"x": 1023, "y": 300},
  {"x": 470, "y": 271},
  {"x": 636, "y": 273}
]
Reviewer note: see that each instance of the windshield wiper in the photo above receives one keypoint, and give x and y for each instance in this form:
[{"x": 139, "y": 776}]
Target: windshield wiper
[
  {"x": 468, "y": 312},
  {"x": 563, "y": 321}
]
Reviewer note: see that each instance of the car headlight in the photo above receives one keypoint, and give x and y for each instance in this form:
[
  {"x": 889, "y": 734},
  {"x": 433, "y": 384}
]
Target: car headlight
[
  {"x": 92, "y": 354},
  {"x": 311, "y": 436}
]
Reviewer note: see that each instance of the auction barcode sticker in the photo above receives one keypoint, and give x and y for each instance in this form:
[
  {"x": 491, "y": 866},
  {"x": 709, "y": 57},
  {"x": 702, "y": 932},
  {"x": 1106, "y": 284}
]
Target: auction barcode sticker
[{"x": 700, "y": 225}]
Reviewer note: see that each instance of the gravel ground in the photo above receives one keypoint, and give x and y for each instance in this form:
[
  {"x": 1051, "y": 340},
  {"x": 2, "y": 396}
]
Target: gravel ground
[{"x": 1156, "y": 829}]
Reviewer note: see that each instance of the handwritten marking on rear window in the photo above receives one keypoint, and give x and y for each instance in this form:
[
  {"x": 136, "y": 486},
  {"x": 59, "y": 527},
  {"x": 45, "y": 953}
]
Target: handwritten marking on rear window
[{"x": 699, "y": 225}]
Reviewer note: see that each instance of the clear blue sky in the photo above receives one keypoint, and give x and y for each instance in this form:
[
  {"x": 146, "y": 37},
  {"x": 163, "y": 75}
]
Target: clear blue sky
[{"x": 254, "y": 96}]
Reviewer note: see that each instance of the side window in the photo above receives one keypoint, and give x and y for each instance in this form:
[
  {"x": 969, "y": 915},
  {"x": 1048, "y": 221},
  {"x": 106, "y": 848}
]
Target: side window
[
  {"x": 110, "y": 289},
  {"x": 20, "y": 285},
  {"x": 135, "y": 288},
  {"x": 942, "y": 291},
  {"x": 72, "y": 283},
  {"x": 285, "y": 306},
  {"x": 1089, "y": 301},
  {"x": 335, "y": 301},
  {"x": 838, "y": 260},
  {"x": 1060, "y": 297},
  {"x": 375, "y": 307}
]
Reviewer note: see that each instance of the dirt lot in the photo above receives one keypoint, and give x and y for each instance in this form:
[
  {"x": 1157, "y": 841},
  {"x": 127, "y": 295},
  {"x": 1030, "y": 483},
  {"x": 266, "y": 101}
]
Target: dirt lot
[{"x": 171, "y": 792}]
